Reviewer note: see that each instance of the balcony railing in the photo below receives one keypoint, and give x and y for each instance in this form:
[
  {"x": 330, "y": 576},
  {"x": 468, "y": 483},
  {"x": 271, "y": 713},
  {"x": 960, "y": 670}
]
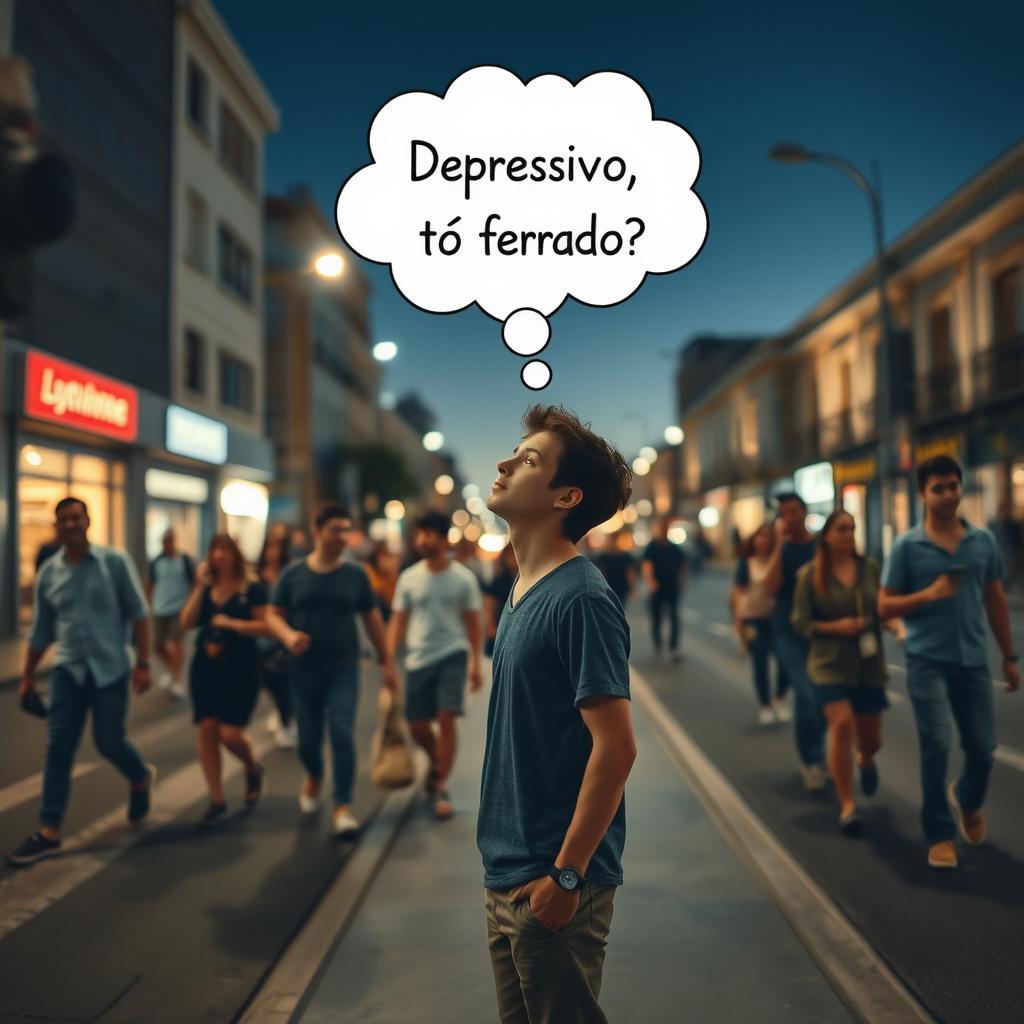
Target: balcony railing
[
  {"x": 999, "y": 370},
  {"x": 938, "y": 393}
]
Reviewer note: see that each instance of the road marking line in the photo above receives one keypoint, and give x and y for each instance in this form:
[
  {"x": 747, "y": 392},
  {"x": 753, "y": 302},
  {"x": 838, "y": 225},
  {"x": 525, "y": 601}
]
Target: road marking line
[
  {"x": 874, "y": 994},
  {"x": 32, "y": 786},
  {"x": 29, "y": 891}
]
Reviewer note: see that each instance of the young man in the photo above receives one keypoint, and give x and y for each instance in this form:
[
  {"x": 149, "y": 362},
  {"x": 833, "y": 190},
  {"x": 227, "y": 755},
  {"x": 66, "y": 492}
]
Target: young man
[
  {"x": 171, "y": 575},
  {"x": 664, "y": 568},
  {"x": 313, "y": 613},
  {"x": 941, "y": 577},
  {"x": 86, "y": 599},
  {"x": 560, "y": 739},
  {"x": 794, "y": 547},
  {"x": 436, "y": 616}
]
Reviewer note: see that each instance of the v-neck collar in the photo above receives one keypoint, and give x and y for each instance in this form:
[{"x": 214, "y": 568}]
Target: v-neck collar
[{"x": 514, "y": 606}]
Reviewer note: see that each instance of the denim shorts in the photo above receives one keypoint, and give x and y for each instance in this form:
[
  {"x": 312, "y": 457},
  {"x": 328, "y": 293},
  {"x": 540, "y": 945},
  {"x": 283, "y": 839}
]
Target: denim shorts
[
  {"x": 865, "y": 700},
  {"x": 437, "y": 687}
]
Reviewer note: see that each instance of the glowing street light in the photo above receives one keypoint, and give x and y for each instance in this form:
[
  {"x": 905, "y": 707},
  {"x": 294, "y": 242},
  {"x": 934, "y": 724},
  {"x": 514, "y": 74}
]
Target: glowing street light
[
  {"x": 329, "y": 265},
  {"x": 649, "y": 454},
  {"x": 471, "y": 491},
  {"x": 641, "y": 466},
  {"x": 385, "y": 351},
  {"x": 444, "y": 484},
  {"x": 433, "y": 441},
  {"x": 394, "y": 510},
  {"x": 709, "y": 517},
  {"x": 674, "y": 436},
  {"x": 460, "y": 517},
  {"x": 475, "y": 506}
]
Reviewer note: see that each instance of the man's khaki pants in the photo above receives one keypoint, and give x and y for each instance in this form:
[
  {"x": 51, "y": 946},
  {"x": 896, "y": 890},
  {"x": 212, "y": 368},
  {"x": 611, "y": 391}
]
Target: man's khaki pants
[{"x": 546, "y": 977}]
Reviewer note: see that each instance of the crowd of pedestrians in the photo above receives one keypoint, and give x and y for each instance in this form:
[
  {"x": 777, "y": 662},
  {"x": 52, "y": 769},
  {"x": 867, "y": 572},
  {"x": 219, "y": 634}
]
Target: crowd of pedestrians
[{"x": 560, "y": 745}]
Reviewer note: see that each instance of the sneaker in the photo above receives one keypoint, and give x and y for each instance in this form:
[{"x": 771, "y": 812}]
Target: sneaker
[
  {"x": 344, "y": 823},
  {"x": 308, "y": 804},
  {"x": 781, "y": 710},
  {"x": 943, "y": 856},
  {"x": 164, "y": 682},
  {"x": 213, "y": 814},
  {"x": 138, "y": 799},
  {"x": 255, "y": 782},
  {"x": 36, "y": 847},
  {"x": 765, "y": 717},
  {"x": 286, "y": 737},
  {"x": 869, "y": 778},
  {"x": 850, "y": 824},
  {"x": 970, "y": 823},
  {"x": 815, "y": 777},
  {"x": 442, "y": 805},
  {"x": 178, "y": 691}
]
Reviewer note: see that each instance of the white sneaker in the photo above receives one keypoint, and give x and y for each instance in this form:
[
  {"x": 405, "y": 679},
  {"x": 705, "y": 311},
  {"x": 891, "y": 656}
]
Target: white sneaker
[
  {"x": 815, "y": 777},
  {"x": 765, "y": 717},
  {"x": 309, "y": 804},
  {"x": 781, "y": 710},
  {"x": 164, "y": 682},
  {"x": 178, "y": 691},
  {"x": 345, "y": 825},
  {"x": 286, "y": 737}
]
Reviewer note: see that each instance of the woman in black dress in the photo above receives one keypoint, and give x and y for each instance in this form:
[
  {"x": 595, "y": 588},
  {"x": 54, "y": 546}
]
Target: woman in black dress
[{"x": 228, "y": 607}]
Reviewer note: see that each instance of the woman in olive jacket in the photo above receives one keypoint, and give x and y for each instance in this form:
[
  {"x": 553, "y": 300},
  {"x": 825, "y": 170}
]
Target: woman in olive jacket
[{"x": 835, "y": 608}]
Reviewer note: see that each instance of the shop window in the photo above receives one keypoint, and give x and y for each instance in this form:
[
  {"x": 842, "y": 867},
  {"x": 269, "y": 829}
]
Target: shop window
[
  {"x": 195, "y": 360},
  {"x": 234, "y": 262},
  {"x": 237, "y": 148},
  {"x": 196, "y": 221},
  {"x": 236, "y": 383},
  {"x": 46, "y": 476},
  {"x": 197, "y": 99}
]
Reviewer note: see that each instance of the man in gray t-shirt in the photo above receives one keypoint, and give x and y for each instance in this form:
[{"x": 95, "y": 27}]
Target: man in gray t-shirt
[
  {"x": 560, "y": 745},
  {"x": 436, "y": 615}
]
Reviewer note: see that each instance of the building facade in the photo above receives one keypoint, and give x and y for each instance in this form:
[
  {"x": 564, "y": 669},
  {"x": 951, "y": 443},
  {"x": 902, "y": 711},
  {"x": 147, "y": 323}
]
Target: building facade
[
  {"x": 91, "y": 406},
  {"x": 322, "y": 379},
  {"x": 801, "y": 410}
]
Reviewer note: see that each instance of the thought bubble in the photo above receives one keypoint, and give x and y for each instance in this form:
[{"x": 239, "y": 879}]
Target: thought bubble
[{"x": 516, "y": 196}]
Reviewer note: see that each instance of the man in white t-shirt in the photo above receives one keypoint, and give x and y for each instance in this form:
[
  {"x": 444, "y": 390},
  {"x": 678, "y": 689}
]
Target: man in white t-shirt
[{"x": 436, "y": 615}]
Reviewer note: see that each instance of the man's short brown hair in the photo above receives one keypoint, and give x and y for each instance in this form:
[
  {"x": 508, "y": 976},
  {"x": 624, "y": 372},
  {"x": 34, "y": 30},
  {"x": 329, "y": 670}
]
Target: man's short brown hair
[{"x": 588, "y": 462}]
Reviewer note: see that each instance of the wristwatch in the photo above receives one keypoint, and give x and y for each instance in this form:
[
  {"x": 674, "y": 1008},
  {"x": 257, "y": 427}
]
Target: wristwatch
[{"x": 568, "y": 879}]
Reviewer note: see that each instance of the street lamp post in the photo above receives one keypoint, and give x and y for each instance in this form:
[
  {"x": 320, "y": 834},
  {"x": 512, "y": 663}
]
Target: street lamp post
[{"x": 788, "y": 152}]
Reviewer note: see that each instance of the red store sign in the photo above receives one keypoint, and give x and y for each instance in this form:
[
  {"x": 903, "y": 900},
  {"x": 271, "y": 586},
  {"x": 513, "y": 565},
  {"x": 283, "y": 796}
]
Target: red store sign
[{"x": 63, "y": 393}]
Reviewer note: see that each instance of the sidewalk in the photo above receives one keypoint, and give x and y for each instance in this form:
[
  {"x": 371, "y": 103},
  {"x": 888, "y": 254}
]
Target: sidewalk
[{"x": 693, "y": 937}]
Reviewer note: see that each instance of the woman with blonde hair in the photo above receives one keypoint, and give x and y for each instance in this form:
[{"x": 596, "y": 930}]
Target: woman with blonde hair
[
  {"x": 228, "y": 607},
  {"x": 835, "y": 608}
]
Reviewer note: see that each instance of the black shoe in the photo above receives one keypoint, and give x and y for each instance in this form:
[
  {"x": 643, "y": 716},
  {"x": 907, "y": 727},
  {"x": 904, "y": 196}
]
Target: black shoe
[
  {"x": 36, "y": 847},
  {"x": 254, "y": 783},
  {"x": 869, "y": 779},
  {"x": 138, "y": 799},
  {"x": 213, "y": 813},
  {"x": 850, "y": 825}
]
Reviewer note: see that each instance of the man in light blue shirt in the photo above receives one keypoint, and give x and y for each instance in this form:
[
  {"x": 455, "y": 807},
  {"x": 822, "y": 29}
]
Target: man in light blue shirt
[
  {"x": 943, "y": 576},
  {"x": 86, "y": 599}
]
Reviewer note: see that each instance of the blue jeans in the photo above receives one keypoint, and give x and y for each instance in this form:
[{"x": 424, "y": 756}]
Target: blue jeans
[
  {"x": 935, "y": 690},
  {"x": 330, "y": 694},
  {"x": 70, "y": 702},
  {"x": 760, "y": 648},
  {"x": 808, "y": 721}
]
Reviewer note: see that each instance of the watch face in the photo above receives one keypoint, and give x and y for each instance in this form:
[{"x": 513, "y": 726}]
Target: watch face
[{"x": 568, "y": 879}]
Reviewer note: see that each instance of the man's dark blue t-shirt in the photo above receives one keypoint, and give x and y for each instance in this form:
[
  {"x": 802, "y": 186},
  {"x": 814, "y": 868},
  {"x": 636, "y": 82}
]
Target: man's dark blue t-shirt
[
  {"x": 794, "y": 555},
  {"x": 566, "y": 640}
]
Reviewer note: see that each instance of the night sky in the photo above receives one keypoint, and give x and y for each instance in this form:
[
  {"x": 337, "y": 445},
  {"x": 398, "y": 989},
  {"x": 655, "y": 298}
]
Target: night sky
[{"x": 929, "y": 90}]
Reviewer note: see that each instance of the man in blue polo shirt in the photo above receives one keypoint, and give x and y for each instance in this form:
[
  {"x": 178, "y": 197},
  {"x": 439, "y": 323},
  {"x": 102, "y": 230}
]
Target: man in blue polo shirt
[{"x": 939, "y": 577}]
